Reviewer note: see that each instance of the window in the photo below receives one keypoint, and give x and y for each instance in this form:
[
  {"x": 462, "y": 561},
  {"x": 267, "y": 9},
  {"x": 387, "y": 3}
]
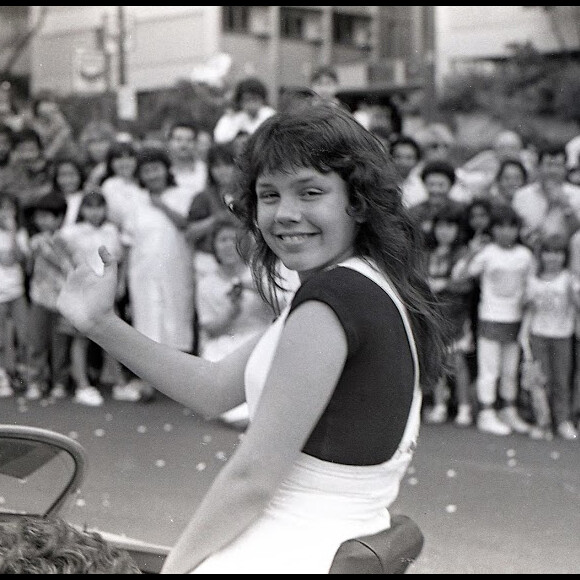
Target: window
[
  {"x": 351, "y": 30},
  {"x": 292, "y": 24},
  {"x": 236, "y": 18}
]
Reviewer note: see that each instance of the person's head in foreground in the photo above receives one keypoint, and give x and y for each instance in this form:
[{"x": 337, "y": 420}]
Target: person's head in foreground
[
  {"x": 53, "y": 546},
  {"x": 315, "y": 188}
]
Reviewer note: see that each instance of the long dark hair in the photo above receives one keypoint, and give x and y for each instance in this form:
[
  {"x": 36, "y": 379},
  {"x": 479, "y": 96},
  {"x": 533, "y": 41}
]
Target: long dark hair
[{"x": 329, "y": 139}]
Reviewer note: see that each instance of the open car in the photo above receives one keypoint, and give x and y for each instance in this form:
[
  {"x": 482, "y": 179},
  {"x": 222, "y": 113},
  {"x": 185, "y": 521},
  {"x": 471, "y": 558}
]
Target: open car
[{"x": 41, "y": 472}]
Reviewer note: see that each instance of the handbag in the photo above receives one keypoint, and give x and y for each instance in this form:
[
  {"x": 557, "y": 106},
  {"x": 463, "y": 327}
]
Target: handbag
[{"x": 389, "y": 551}]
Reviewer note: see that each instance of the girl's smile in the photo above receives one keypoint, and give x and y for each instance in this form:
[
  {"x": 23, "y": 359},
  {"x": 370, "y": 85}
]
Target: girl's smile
[{"x": 303, "y": 217}]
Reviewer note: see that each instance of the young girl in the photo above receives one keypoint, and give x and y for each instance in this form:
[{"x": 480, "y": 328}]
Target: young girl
[
  {"x": 13, "y": 301},
  {"x": 84, "y": 238},
  {"x": 552, "y": 299},
  {"x": 333, "y": 385},
  {"x": 502, "y": 267},
  {"x": 448, "y": 232}
]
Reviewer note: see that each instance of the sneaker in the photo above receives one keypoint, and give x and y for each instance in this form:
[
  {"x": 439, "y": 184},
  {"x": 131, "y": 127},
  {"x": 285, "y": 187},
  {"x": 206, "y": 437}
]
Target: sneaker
[
  {"x": 463, "y": 417},
  {"x": 129, "y": 392},
  {"x": 89, "y": 396},
  {"x": 510, "y": 417},
  {"x": 6, "y": 389},
  {"x": 567, "y": 431},
  {"x": 58, "y": 391},
  {"x": 536, "y": 432},
  {"x": 489, "y": 422},
  {"x": 33, "y": 392},
  {"x": 436, "y": 415}
]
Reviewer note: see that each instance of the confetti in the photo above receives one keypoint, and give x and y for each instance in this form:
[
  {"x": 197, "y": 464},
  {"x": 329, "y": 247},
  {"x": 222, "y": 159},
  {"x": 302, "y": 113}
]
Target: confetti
[
  {"x": 109, "y": 417},
  {"x": 160, "y": 463},
  {"x": 511, "y": 452},
  {"x": 81, "y": 502},
  {"x": 168, "y": 427},
  {"x": 451, "y": 473},
  {"x": 99, "y": 432},
  {"x": 206, "y": 438},
  {"x": 412, "y": 481},
  {"x": 451, "y": 509},
  {"x": 2, "y": 500},
  {"x": 221, "y": 456},
  {"x": 555, "y": 455},
  {"x": 142, "y": 429},
  {"x": 73, "y": 435},
  {"x": 200, "y": 466},
  {"x": 512, "y": 462}
]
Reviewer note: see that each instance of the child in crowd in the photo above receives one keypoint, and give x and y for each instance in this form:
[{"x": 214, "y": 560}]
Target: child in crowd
[
  {"x": 68, "y": 179},
  {"x": 13, "y": 301},
  {"x": 552, "y": 300},
  {"x": 48, "y": 352},
  {"x": 454, "y": 295},
  {"x": 84, "y": 238},
  {"x": 503, "y": 268},
  {"x": 250, "y": 110}
]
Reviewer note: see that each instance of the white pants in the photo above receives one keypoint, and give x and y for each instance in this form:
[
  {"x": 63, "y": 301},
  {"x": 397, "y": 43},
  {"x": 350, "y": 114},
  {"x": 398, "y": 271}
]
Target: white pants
[{"x": 497, "y": 360}]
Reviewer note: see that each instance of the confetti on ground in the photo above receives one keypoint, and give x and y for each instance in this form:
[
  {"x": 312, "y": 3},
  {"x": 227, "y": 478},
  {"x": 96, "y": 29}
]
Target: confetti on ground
[
  {"x": 99, "y": 432},
  {"x": 2, "y": 500},
  {"x": 108, "y": 417},
  {"x": 411, "y": 470},
  {"x": 81, "y": 502},
  {"x": 555, "y": 455},
  {"x": 221, "y": 456},
  {"x": 160, "y": 463},
  {"x": 206, "y": 438},
  {"x": 451, "y": 473},
  {"x": 412, "y": 481},
  {"x": 73, "y": 435},
  {"x": 451, "y": 509},
  {"x": 512, "y": 462},
  {"x": 200, "y": 466},
  {"x": 168, "y": 427},
  {"x": 511, "y": 452},
  {"x": 142, "y": 429}
]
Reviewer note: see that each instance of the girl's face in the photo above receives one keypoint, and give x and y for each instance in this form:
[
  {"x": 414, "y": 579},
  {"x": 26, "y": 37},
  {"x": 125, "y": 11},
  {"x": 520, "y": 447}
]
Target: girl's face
[
  {"x": 222, "y": 172},
  {"x": 225, "y": 247},
  {"x": 94, "y": 214},
  {"x": 511, "y": 179},
  {"x": 68, "y": 178},
  {"x": 479, "y": 218},
  {"x": 154, "y": 176},
  {"x": 445, "y": 232},
  {"x": 124, "y": 166},
  {"x": 505, "y": 235},
  {"x": 46, "y": 221},
  {"x": 251, "y": 103},
  {"x": 405, "y": 158},
  {"x": 552, "y": 261},
  {"x": 303, "y": 218}
]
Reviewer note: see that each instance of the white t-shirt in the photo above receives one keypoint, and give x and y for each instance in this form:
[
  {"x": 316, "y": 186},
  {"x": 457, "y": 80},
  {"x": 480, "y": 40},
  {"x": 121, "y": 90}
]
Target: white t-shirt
[{"x": 503, "y": 274}]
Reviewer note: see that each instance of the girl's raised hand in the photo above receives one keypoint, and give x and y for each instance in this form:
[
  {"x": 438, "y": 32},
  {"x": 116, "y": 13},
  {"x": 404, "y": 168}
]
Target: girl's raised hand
[{"x": 87, "y": 299}]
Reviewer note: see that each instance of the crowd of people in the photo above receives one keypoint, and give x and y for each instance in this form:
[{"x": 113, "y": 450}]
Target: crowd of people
[
  {"x": 164, "y": 211},
  {"x": 313, "y": 275}
]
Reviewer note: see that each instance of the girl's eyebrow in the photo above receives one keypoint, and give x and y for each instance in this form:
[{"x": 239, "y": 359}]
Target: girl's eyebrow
[{"x": 299, "y": 181}]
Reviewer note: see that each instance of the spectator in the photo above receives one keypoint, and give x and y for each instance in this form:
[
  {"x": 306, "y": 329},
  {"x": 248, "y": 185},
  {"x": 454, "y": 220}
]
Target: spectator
[
  {"x": 83, "y": 238},
  {"x": 13, "y": 300},
  {"x": 407, "y": 154},
  {"x": 6, "y": 144},
  {"x": 68, "y": 179},
  {"x": 549, "y": 205},
  {"x": 454, "y": 295},
  {"x": 48, "y": 347},
  {"x": 250, "y": 110},
  {"x": 189, "y": 169},
  {"x": 325, "y": 83},
  {"x": 160, "y": 268},
  {"x": 552, "y": 300},
  {"x": 94, "y": 141},
  {"x": 503, "y": 268},
  {"x": 119, "y": 185},
  {"x": 52, "y": 126},
  {"x": 511, "y": 176}
]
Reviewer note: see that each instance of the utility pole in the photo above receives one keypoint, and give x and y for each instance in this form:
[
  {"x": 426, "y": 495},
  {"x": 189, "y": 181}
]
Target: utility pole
[
  {"x": 429, "y": 60},
  {"x": 122, "y": 46}
]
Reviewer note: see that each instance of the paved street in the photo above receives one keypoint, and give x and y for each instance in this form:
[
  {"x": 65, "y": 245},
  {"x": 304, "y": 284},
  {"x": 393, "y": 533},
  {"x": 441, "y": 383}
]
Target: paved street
[{"x": 486, "y": 504}]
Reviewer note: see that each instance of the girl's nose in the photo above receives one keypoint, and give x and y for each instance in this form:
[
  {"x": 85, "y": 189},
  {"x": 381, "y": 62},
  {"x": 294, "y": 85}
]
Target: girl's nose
[{"x": 288, "y": 210}]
